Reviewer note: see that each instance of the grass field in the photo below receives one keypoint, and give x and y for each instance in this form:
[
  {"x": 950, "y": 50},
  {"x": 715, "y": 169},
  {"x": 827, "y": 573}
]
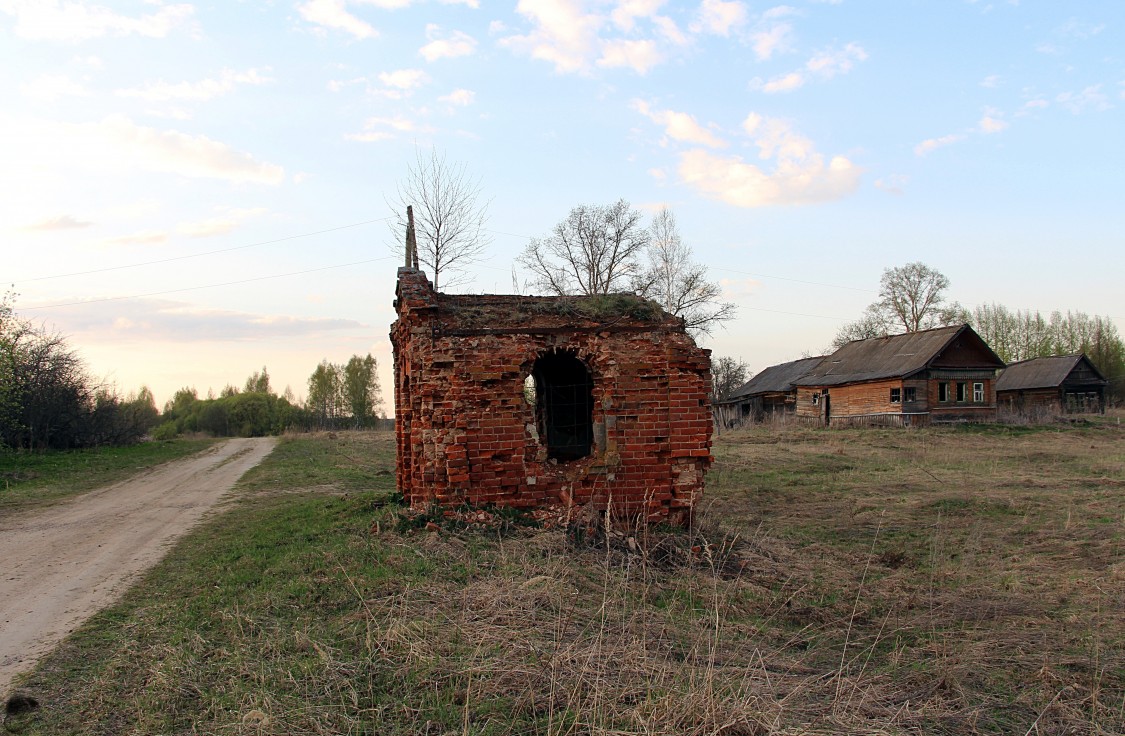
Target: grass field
[
  {"x": 947, "y": 581},
  {"x": 30, "y": 479}
]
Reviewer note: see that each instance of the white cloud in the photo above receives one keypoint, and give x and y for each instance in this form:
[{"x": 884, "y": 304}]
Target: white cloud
[
  {"x": 658, "y": 174},
  {"x": 786, "y": 83},
  {"x": 58, "y": 222},
  {"x": 202, "y": 90},
  {"x": 333, "y": 14},
  {"x": 798, "y": 175},
  {"x": 1091, "y": 98},
  {"x": 371, "y": 136},
  {"x": 381, "y": 129},
  {"x": 1080, "y": 30},
  {"x": 460, "y": 97},
  {"x": 69, "y": 20},
  {"x": 231, "y": 219},
  {"x": 893, "y": 184},
  {"x": 117, "y": 144},
  {"x": 51, "y": 87},
  {"x": 625, "y": 15},
  {"x": 719, "y": 18},
  {"x": 457, "y": 44},
  {"x": 638, "y": 55},
  {"x": 164, "y": 320},
  {"x": 387, "y": 4},
  {"x": 1037, "y": 104},
  {"x": 669, "y": 31},
  {"x": 563, "y": 34},
  {"x": 679, "y": 126},
  {"x": 827, "y": 64},
  {"x": 146, "y": 237},
  {"x": 992, "y": 81},
  {"x": 404, "y": 79},
  {"x": 335, "y": 85},
  {"x": 931, "y": 144},
  {"x": 823, "y": 65},
  {"x": 767, "y": 42},
  {"x": 991, "y": 122}
]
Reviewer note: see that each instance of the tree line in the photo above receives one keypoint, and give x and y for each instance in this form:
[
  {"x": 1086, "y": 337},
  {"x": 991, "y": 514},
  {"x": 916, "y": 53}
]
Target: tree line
[
  {"x": 913, "y": 297},
  {"x": 48, "y": 400},
  {"x": 340, "y": 396}
]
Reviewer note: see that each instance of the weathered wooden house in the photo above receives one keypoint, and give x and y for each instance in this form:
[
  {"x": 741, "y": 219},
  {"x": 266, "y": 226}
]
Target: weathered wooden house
[
  {"x": 771, "y": 392},
  {"x": 1059, "y": 383},
  {"x": 941, "y": 375},
  {"x": 534, "y": 401}
]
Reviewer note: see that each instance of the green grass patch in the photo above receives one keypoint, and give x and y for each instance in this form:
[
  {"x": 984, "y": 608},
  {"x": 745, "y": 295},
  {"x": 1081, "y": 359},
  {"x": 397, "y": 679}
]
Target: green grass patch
[
  {"x": 32, "y": 478},
  {"x": 890, "y": 581}
]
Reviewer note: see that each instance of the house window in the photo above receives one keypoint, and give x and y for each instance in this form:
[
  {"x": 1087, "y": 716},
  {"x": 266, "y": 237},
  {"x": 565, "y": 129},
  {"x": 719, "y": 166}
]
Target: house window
[
  {"x": 896, "y": 395},
  {"x": 960, "y": 392},
  {"x": 943, "y": 392},
  {"x": 911, "y": 394},
  {"x": 978, "y": 393},
  {"x": 563, "y": 391},
  {"x": 816, "y": 398}
]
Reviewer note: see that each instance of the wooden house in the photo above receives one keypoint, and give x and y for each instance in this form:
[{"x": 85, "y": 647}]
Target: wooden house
[
  {"x": 945, "y": 374},
  {"x": 1059, "y": 383},
  {"x": 771, "y": 392}
]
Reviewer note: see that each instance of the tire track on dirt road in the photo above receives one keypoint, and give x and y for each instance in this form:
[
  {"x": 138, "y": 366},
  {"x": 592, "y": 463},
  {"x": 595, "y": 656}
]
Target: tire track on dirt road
[{"x": 61, "y": 565}]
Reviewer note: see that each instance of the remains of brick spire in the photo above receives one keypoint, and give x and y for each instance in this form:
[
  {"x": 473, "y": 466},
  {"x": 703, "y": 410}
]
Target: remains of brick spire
[{"x": 534, "y": 401}]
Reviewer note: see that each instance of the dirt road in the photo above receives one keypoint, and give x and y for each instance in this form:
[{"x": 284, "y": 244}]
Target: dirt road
[{"x": 61, "y": 565}]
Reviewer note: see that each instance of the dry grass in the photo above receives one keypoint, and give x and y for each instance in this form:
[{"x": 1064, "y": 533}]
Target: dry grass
[{"x": 944, "y": 581}]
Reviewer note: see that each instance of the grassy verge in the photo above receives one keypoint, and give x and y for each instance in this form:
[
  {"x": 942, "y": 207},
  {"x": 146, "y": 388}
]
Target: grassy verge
[
  {"x": 31, "y": 478},
  {"x": 875, "y": 581}
]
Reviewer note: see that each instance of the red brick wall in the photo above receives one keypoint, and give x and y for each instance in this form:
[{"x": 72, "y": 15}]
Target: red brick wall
[{"x": 466, "y": 434}]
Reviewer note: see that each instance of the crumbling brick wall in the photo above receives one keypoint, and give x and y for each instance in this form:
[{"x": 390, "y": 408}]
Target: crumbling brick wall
[{"x": 471, "y": 426}]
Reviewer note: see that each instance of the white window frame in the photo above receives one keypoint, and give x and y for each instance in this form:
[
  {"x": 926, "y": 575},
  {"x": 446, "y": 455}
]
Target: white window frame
[{"x": 978, "y": 392}]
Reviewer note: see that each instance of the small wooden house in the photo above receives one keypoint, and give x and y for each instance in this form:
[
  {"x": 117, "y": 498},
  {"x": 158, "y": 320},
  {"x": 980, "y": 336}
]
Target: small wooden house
[
  {"x": 945, "y": 374},
  {"x": 771, "y": 392},
  {"x": 1059, "y": 383}
]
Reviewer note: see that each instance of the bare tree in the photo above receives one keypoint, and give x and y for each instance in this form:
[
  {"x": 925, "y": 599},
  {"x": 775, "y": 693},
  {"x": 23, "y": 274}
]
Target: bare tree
[
  {"x": 679, "y": 284},
  {"x": 914, "y": 295},
  {"x": 449, "y": 218},
  {"x": 727, "y": 374},
  {"x": 596, "y": 250},
  {"x": 911, "y": 298}
]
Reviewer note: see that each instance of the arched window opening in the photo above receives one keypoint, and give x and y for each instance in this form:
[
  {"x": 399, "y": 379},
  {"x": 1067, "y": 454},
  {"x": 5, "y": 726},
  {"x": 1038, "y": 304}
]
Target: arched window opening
[{"x": 564, "y": 400}]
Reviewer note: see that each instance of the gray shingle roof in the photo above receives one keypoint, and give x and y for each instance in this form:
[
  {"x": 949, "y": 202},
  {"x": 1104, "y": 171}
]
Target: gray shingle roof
[
  {"x": 1049, "y": 372},
  {"x": 775, "y": 379},
  {"x": 893, "y": 356}
]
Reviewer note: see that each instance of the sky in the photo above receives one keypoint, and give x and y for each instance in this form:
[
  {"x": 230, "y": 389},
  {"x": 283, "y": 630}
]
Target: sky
[{"x": 191, "y": 191}]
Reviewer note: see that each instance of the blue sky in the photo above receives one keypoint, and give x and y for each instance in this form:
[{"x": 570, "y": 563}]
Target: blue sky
[{"x": 190, "y": 190}]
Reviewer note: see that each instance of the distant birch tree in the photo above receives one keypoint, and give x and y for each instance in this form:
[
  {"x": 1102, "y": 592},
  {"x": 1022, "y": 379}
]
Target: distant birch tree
[{"x": 678, "y": 283}]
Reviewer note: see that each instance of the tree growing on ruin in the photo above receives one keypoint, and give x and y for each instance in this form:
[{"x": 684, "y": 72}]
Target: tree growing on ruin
[
  {"x": 595, "y": 250},
  {"x": 449, "y": 216}
]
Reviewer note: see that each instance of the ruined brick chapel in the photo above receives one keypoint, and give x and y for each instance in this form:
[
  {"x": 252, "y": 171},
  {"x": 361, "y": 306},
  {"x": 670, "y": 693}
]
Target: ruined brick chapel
[{"x": 537, "y": 401}]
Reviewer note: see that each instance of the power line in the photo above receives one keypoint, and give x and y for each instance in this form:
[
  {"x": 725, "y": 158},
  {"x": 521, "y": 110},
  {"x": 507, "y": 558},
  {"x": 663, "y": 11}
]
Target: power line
[
  {"x": 200, "y": 255},
  {"x": 206, "y": 286},
  {"x": 796, "y": 281}
]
